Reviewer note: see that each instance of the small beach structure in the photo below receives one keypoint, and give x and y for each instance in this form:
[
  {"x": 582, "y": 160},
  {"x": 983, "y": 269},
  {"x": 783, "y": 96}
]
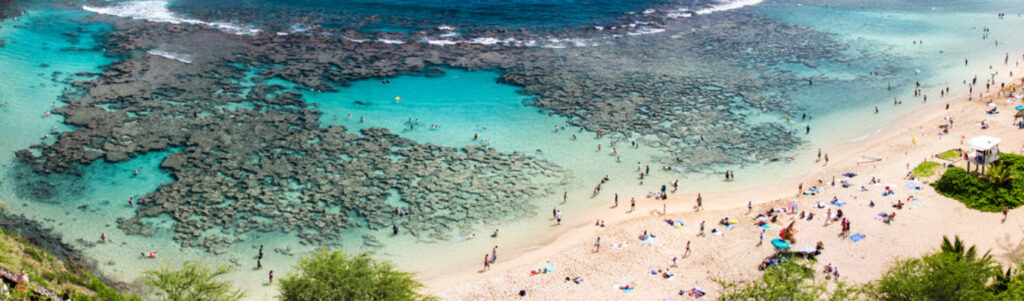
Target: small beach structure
[{"x": 986, "y": 151}]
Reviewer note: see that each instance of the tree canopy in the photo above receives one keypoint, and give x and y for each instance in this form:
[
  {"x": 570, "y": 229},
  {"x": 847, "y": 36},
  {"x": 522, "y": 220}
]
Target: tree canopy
[
  {"x": 194, "y": 281},
  {"x": 333, "y": 275}
]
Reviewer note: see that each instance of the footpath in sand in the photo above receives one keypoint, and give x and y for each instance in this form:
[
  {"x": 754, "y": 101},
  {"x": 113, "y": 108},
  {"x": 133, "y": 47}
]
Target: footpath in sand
[{"x": 734, "y": 254}]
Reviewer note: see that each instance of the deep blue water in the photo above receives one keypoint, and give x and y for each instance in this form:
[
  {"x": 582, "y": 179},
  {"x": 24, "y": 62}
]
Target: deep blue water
[{"x": 409, "y": 15}]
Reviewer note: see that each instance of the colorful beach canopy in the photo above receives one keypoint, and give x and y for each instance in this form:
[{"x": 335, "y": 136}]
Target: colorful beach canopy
[{"x": 779, "y": 243}]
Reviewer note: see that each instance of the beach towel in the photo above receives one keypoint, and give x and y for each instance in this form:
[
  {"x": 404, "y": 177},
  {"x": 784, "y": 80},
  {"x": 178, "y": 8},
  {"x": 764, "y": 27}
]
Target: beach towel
[
  {"x": 677, "y": 224},
  {"x": 697, "y": 292},
  {"x": 808, "y": 250},
  {"x": 730, "y": 226},
  {"x": 913, "y": 186},
  {"x": 766, "y": 226},
  {"x": 856, "y": 237},
  {"x": 549, "y": 268},
  {"x": 627, "y": 289},
  {"x": 838, "y": 203},
  {"x": 849, "y": 175},
  {"x": 648, "y": 240}
]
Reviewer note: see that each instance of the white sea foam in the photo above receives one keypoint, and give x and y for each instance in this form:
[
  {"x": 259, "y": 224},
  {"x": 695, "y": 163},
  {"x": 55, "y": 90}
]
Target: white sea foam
[
  {"x": 727, "y": 5},
  {"x": 492, "y": 41},
  {"x": 645, "y": 30},
  {"x": 390, "y": 41},
  {"x": 446, "y": 28},
  {"x": 450, "y": 34},
  {"x": 444, "y": 42},
  {"x": 156, "y": 11},
  {"x": 181, "y": 57}
]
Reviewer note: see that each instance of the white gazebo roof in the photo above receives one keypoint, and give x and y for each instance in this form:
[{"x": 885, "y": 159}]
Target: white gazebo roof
[{"x": 984, "y": 143}]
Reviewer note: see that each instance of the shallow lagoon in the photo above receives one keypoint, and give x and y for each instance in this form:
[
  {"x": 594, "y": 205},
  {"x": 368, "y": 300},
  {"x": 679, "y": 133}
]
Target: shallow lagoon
[{"x": 464, "y": 103}]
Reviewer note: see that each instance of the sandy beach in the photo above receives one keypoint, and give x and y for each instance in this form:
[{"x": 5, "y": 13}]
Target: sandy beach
[{"x": 735, "y": 254}]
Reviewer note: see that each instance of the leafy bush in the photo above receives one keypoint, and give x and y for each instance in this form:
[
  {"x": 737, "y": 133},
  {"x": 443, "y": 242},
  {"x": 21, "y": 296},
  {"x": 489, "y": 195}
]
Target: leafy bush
[
  {"x": 955, "y": 272},
  {"x": 1002, "y": 186},
  {"x": 789, "y": 280},
  {"x": 334, "y": 275},
  {"x": 194, "y": 281}
]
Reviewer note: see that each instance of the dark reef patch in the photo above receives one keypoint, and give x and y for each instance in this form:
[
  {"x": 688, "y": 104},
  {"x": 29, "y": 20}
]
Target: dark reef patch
[{"x": 274, "y": 168}]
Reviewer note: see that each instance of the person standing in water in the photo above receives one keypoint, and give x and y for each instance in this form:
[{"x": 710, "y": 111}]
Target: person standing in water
[{"x": 271, "y": 276}]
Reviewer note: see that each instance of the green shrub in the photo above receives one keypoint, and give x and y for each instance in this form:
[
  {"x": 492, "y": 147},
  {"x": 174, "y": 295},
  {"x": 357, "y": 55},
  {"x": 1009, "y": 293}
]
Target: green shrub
[
  {"x": 194, "y": 281},
  {"x": 1002, "y": 186},
  {"x": 955, "y": 272},
  {"x": 326, "y": 275}
]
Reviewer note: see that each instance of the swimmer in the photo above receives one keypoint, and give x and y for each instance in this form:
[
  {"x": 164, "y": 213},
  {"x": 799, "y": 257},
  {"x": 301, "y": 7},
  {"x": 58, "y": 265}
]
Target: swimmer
[{"x": 471, "y": 236}]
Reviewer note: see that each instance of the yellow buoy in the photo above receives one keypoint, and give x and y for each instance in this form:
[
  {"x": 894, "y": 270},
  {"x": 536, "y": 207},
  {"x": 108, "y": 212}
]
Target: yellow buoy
[{"x": 398, "y": 99}]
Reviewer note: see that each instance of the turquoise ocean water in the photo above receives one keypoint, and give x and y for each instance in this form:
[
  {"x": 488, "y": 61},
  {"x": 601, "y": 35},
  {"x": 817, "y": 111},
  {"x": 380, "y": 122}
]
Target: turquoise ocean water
[{"x": 464, "y": 103}]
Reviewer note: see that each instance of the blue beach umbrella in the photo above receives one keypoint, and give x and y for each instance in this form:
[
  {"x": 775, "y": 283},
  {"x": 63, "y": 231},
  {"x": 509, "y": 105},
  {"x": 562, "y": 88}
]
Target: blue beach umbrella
[
  {"x": 1020, "y": 108},
  {"x": 779, "y": 243}
]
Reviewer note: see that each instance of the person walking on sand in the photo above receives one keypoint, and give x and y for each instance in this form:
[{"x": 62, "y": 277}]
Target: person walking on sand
[
  {"x": 762, "y": 238},
  {"x": 494, "y": 254},
  {"x": 271, "y": 276},
  {"x": 597, "y": 245},
  {"x": 826, "y": 159},
  {"x": 487, "y": 263},
  {"x": 687, "y": 252},
  {"x": 701, "y": 230},
  {"x": 616, "y": 199},
  {"x": 632, "y": 204},
  {"x": 1004, "y": 213},
  {"x": 700, "y": 202}
]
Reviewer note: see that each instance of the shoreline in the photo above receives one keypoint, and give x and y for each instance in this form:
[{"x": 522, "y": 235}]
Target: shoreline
[
  {"x": 55, "y": 245},
  {"x": 893, "y": 143}
]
